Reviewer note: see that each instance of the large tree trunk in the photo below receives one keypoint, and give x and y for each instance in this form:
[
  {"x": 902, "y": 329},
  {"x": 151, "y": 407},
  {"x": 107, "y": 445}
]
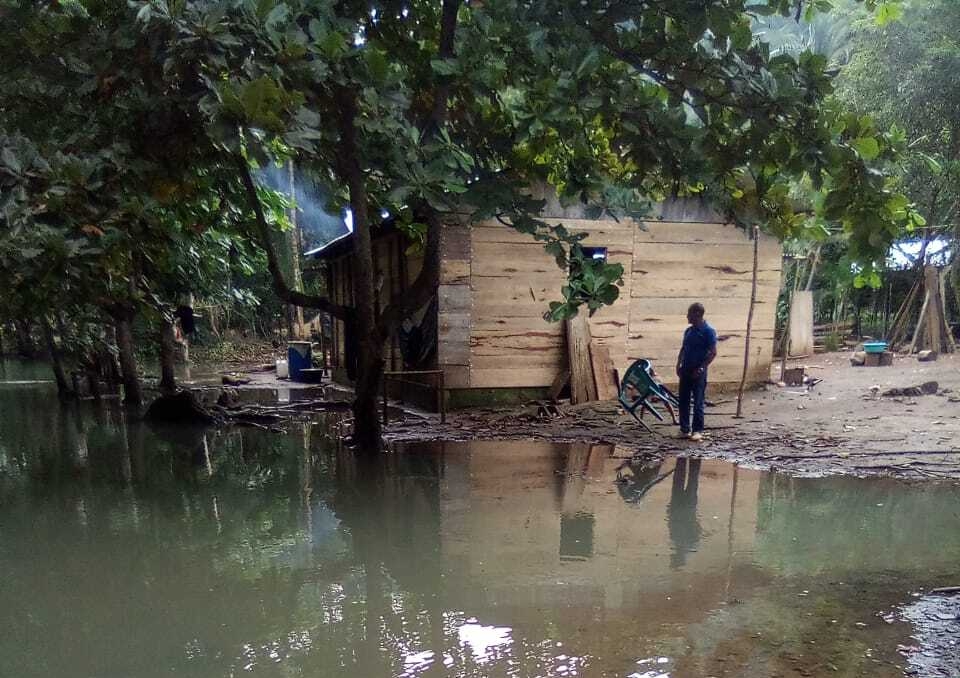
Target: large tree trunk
[
  {"x": 64, "y": 387},
  {"x": 132, "y": 392},
  {"x": 373, "y": 328},
  {"x": 366, "y": 426},
  {"x": 168, "y": 379}
]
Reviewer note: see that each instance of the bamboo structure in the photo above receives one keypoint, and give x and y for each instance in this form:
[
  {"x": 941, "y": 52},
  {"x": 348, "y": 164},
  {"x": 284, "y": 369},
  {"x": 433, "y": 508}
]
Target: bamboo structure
[{"x": 930, "y": 330}]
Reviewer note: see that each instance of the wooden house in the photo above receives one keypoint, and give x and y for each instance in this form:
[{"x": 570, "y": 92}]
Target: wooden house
[{"x": 486, "y": 325}]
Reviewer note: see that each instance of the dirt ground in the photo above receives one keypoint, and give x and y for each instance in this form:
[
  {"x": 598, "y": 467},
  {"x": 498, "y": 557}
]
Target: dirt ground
[{"x": 842, "y": 425}]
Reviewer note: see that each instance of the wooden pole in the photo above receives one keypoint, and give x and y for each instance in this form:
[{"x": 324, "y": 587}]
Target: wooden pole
[
  {"x": 746, "y": 343},
  {"x": 935, "y": 319},
  {"x": 950, "y": 345},
  {"x": 296, "y": 312},
  {"x": 901, "y": 320},
  {"x": 920, "y": 322},
  {"x": 383, "y": 392},
  {"x": 443, "y": 397},
  {"x": 785, "y": 341}
]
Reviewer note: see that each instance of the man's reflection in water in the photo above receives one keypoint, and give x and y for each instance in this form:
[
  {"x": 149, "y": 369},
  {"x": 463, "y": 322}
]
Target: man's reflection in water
[{"x": 685, "y": 531}]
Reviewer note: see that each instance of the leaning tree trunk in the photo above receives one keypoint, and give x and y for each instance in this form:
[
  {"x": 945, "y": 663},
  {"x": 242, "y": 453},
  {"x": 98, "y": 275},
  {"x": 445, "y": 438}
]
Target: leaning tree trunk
[
  {"x": 168, "y": 379},
  {"x": 132, "y": 392},
  {"x": 64, "y": 388}
]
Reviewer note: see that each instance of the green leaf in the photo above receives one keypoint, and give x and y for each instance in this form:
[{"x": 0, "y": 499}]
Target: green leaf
[
  {"x": 932, "y": 163},
  {"x": 143, "y": 15},
  {"x": 378, "y": 63},
  {"x": 445, "y": 66},
  {"x": 589, "y": 63},
  {"x": 867, "y": 147},
  {"x": 277, "y": 15},
  {"x": 888, "y": 12},
  {"x": 11, "y": 160},
  {"x": 317, "y": 29}
]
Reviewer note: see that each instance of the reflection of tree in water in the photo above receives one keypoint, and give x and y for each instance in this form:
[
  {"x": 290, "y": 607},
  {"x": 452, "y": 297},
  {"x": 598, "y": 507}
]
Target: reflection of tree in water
[
  {"x": 871, "y": 528},
  {"x": 211, "y": 553},
  {"x": 685, "y": 530},
  {"x": 174, "y": 556}
]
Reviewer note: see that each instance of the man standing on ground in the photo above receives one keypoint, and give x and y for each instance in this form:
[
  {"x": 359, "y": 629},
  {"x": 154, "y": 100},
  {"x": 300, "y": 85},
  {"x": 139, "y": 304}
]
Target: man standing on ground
[{"x": 698, "y": 351}]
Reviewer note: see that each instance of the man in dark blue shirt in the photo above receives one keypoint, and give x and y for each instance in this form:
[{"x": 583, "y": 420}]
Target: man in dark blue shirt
[{"x": 698, "y": 351}]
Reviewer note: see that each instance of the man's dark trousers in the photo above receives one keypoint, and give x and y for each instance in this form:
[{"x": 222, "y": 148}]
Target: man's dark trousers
[{"x": 692, "y": 388}]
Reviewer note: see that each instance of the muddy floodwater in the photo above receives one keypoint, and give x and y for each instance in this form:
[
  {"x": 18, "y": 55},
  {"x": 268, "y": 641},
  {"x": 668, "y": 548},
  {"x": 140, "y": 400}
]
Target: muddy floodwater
[{"x": 133, "y": 552}]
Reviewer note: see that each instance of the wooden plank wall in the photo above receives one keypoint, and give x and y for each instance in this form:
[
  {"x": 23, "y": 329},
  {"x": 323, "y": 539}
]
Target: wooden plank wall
[
  {"x": 455, "y": 310},
  {"x": 668, "y": 266},
  {"x": 676, "y": 264},
  {"x": 396, "y": 270}
]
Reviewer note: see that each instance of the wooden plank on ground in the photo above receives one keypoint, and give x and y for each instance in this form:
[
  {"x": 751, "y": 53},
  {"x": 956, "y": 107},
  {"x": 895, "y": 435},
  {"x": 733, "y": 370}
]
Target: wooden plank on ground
[
  {"x": 603, "y": 376},
  {"x": 582, "y": 386}
]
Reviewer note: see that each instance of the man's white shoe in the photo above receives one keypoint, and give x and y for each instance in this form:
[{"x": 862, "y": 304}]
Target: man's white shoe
[{"x": 696, "y": 437}]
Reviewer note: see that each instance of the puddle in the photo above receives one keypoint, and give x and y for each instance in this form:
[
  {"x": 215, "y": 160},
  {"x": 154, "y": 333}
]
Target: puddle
[{"x": 126, "y": 551}]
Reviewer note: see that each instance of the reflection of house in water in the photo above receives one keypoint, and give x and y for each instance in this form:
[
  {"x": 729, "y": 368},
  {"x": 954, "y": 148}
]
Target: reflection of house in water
[{"x": 534, "y": 526}]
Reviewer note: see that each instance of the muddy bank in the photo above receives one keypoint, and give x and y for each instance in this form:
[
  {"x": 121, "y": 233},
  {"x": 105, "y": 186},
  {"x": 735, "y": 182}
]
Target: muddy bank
[
  {"x": 746, "y": 442},
  {"x": 842, "y": 425}
]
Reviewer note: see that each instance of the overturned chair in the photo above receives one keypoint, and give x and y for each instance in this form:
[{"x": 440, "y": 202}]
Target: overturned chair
[{"x": 639, "y": 388}]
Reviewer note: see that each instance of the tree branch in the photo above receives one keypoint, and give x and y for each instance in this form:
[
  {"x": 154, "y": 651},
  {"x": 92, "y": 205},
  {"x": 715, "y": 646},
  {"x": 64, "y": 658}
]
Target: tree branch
[{"x": 291, "y": 296}]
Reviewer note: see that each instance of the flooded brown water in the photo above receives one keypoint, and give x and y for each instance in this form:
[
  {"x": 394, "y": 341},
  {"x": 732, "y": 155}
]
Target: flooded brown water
[{"x": 127, "y": 551}]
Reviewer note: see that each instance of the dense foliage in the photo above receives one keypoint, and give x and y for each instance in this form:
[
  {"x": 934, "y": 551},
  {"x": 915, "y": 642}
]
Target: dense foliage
[{"x": 129, "y": 153}]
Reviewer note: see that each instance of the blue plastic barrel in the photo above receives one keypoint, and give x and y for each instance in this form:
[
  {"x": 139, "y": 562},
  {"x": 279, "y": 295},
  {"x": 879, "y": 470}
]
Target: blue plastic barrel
[{"x": 299, "y": 357}]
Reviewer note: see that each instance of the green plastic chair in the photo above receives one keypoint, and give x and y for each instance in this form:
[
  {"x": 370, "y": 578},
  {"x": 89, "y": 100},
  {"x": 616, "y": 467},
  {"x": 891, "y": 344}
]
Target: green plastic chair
[{"x": 639, "y": 387}]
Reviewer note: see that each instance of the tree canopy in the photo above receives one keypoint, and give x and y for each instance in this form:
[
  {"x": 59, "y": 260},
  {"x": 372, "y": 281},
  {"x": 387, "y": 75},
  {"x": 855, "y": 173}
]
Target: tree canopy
[
  {"x": 904, "y": 74},
  {"x": 141, "y": 133}
]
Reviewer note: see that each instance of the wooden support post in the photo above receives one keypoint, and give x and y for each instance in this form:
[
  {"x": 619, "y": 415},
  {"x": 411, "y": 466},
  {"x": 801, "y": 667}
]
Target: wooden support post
[
  {"x": 920, "y": 323},
  {"x": 443, "y": 398},
  {"x": 753, "y": 301},
  {"x": 935, "y": 321},
  {"x": 582, "y": 386},
  {"x": 950, "y": 346},
  {"x": 785, "y": 340},
  {"x": 383, "y": 387}
]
